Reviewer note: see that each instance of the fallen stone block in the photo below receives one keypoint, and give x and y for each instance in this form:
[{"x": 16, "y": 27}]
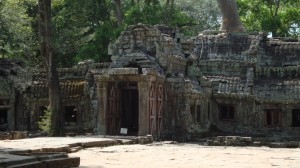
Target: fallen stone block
[
  {"x": 292, "y": 144},
  {"x": 30, "y": 165},
  {"x": 277, "y": 145},
  {"x": 125, "y": 141},
  {"x": 231, "y": 140},
  {"x": 221, "y": 139},
  {"x": 19, "y": 135},
  {"x": 210, "y": 142},
  {"x": 246, "y": 139},
  {"x": 99, "y": 143},
  {"x": 257, "y": 143},
  {"x": 75, "y": 149},
  {"x": 63, "y": 162},
  {"x": 12, "y": 160},
  {"x": 239, "y": 143},
  {"x": 57, "y": 149},
  {"x": 145, "y": 140},
  {"x": 49, "y": 156},
  {"x": 6, "y": 136},
  {"x": 75, "y": 145},
  {"x": 216, "y": 143},
  {"x": 18, "y": 151}
]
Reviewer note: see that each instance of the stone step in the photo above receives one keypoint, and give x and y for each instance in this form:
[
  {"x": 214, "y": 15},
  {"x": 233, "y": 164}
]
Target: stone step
[{"x": 30, "y": 165}]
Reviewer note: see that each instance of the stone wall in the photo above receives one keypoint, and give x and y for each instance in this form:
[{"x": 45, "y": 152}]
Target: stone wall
[
  {"x": 250, "y": 74},
  {"x": 230, "y": 83}
]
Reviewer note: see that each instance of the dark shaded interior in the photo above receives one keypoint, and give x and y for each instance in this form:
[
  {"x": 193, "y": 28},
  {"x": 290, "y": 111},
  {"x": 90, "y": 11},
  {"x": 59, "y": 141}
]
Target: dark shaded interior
[
  {"x": 130, "y": 107},
  {"x": 296, "y": 118},
  {"x": 70, "y": 114},
  {"x": 226, "y": 112}
]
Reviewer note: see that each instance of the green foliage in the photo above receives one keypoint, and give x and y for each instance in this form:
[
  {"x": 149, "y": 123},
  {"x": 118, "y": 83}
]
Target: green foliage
[
  {"x": 84, "y": 30},
  {"x": 146, "y": 15},
  {"x": 96, "y": 49},
  {"x": 192, "y": 16},
  {"x": 76, "y": 25},
  {"x": 17, "y": 39},
  {"x": 281, "y": 17},
  {"x": 45, "y": 121},
  {"x": 203, "y": 14}
]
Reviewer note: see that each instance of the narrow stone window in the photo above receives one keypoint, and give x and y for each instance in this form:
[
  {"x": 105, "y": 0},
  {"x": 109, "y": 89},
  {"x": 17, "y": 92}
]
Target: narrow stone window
[
  {"x": 193, "y": 112},
  {"x": 272, "y": 117},
  {"x": 70, "y": 114},
  {"x": 226, "y": 112},
  {"x": 296, "y": 118}
]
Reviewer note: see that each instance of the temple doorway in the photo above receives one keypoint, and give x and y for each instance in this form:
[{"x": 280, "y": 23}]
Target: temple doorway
[{"x": 123, "y": 108}]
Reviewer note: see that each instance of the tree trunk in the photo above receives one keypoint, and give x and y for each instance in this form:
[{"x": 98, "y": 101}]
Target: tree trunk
[
  {"x": 167, "y": 11},
  {"x": 55, "y": 102},
  {"x": 230, "y": 18},
  {"x": 119, "y": 12}
]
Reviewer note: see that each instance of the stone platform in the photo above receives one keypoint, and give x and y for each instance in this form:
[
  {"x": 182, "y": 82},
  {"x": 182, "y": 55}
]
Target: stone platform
[{"x": 51, "y": 152}]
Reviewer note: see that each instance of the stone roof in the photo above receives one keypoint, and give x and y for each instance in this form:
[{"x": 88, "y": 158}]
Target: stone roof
[{"x": 70, "y": 88}]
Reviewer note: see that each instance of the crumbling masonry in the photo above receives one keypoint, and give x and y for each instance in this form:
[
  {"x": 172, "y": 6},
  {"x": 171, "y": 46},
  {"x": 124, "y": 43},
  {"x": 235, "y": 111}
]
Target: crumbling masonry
[{"x": 166, "y": 85}]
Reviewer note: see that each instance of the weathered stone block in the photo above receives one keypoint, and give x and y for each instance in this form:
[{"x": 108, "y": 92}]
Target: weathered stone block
[
  {"x": 57, "y": 149},
  {"x": 220, "y": 138},
  {"x": 210, "y": 142},
  {"x": 216, "y": 143},
  {"x": 257, "y": 143},
  {"x": 246, "y": 139},
  {"x": 292, "y": 144},
  {"x": 63, "y": 163},
  {"x": 122, "y": 71},
  {"x": 30, "y": 165},
  {"x": 277, "y": 145},
  {"x": 99, "y": 143}
]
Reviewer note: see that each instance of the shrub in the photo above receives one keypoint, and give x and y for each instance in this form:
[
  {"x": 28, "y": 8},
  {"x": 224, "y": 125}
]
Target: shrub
[{"x": 45, "y": 121}]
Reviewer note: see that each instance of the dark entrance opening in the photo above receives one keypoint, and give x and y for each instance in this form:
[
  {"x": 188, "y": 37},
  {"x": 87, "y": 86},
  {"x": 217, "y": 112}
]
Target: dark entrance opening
[
  {"x": 269, "y": 119},
  {"x": 3, "y": 119},
  {"x": 226, "y": 112},
  {"x": 70, "y": 114},
  {"x": 296, "y": 118},
  {"x": 130, "y": 107}
]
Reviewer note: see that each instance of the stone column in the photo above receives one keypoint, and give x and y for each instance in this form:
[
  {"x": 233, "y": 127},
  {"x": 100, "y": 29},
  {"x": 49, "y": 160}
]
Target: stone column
[
  {"x": 102, "y": 93},
  {"x": 143, "y": 87}
]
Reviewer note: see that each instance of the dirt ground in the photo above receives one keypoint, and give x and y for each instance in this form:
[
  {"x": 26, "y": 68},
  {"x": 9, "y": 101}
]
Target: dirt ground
[{"x": 184, "y": 155}]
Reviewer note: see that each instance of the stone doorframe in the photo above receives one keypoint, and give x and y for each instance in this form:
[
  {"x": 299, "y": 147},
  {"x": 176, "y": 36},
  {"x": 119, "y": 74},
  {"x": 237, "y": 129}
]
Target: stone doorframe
[{"x": 144, "y": 82}]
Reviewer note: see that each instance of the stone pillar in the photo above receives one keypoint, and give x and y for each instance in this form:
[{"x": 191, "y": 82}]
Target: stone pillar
[
  {"x": 143, "y": 88},
  {"x": 102, "y": 91},
  {"x": 11, "y": 113}
]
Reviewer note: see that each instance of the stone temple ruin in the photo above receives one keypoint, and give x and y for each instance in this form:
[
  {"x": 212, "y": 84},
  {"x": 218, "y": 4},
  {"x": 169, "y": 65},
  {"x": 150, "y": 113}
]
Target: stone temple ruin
[{"x": 163, "y": 84}]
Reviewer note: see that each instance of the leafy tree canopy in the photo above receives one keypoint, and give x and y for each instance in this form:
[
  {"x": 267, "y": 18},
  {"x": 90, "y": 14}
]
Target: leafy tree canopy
[
  {"x": 16, "y": 38},
  {"x": 280, "y": 17},
  {"x": 83, "y": 30}
]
